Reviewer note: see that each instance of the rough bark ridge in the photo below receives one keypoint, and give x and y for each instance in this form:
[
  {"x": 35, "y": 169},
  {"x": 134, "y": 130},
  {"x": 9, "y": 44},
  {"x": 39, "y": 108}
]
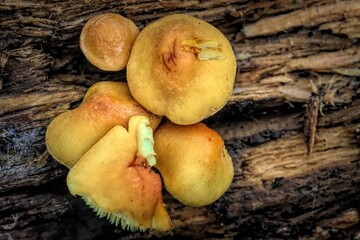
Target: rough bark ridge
[{"x": 292, "y": 124}]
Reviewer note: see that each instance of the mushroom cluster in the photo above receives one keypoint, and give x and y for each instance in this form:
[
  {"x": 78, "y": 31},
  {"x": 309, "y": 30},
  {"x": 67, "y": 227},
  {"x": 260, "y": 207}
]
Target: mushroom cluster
[{"x": 179, "y": 69}]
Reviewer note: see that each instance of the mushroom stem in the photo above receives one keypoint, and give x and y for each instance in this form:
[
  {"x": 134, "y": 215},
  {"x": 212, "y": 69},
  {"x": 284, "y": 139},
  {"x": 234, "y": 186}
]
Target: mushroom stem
[
  {"x": 204, "y": 50},
  {"x": 145, "y": 141}
]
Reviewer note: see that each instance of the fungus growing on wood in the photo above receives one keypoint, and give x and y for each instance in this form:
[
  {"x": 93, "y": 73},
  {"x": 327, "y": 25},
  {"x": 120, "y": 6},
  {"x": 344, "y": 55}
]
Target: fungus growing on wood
[
  {"x": 193, "y": 163},
  {"x": 105, "y": 105},
  {"x": 116, "y": 180},
  {"x": 181, "y": 67},
  {"x": 106, "y": 41}
]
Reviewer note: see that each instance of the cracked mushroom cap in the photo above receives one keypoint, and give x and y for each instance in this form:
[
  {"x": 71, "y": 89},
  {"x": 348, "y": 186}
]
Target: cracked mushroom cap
[
  {"x": 193, "y": 163},
  {"x": 106, "y": 41},
  {"x": 106, "y": 104},
  {"x": 116, "y": 180},
  {"x": 181, "y": 67}
]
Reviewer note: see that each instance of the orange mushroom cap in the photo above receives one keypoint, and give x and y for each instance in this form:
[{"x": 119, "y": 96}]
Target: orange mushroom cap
[
  {"x": 181, "y": 67},
  {"x": 193, "y": 163},
  {"x": 105, "y": 105},
  {"x": 106, "y": 41}
]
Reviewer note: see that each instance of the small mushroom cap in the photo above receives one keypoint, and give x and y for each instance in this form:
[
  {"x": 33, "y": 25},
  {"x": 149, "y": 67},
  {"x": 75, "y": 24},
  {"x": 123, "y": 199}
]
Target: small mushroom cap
[
  {"x": 118, "y": 184},
  {"x": 105, "y": 105},
  {"x": 181, "y": 67},
  {"x": 193, "y": 163},
  {"x": 106, "y": 41}
]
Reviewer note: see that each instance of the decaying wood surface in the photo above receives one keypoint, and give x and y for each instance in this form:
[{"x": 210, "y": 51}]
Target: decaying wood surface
[{"x": 292, "y": 124}]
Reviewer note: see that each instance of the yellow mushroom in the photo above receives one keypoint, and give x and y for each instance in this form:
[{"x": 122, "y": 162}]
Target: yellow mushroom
[
  {"x": 115, "y": 179},
  {"x": 181, "y": 67},
  {"x": 105, "y": 105},
  {"x": 106, "y": 41},
  {"x": 193, "y": 163}
]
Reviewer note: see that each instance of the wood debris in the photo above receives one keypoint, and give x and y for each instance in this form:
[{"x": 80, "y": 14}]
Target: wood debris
[
  {"x": 310, "y": 121},
  {"x": 306, "y": 17}
]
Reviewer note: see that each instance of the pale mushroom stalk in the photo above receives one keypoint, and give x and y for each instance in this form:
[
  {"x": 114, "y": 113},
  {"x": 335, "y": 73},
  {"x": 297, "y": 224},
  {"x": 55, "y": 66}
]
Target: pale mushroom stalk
[
  {"x": 145, "y": 141},
  {"x": 204, "y": 50}
]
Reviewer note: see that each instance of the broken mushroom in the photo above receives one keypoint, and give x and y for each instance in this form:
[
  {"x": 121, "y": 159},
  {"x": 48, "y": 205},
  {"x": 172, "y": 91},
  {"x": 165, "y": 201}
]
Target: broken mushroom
[
  {"x": 105, "y": 105},
  {"x": 106, "y": 41},
  {"x": 181, "y": 67},
  {"x": 116, "y": 180},
  {"x": 193, "y": 163}
]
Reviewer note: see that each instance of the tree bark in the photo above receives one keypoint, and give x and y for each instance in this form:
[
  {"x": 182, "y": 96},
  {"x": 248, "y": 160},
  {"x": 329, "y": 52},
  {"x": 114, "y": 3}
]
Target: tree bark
[{"x": 292, "y": 124}]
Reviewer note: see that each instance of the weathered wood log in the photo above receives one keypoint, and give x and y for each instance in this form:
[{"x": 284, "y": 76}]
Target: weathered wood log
[{"x": 292, "y": 124}]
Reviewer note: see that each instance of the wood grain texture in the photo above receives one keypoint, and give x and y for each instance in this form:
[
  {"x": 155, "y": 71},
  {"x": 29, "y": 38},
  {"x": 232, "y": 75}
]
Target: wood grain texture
[{"x": 297, "y": 171}]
